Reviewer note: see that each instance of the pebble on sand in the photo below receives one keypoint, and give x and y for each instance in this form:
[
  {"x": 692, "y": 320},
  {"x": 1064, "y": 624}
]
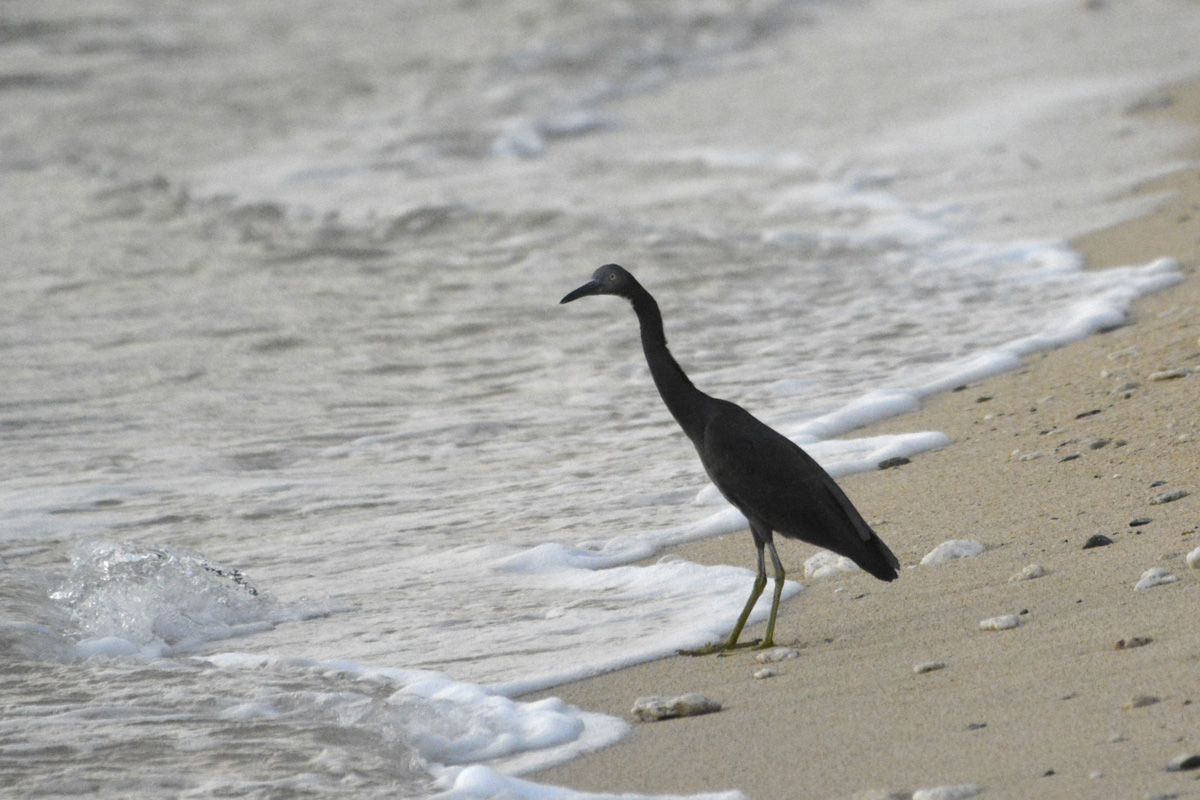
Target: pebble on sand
[
  {"x": 1193, "y": 559},
  {"x": 960, "y": 792},
  {"x": 1168, "y": 374},
  {"x": 1155, "y": 576},
  {"x": 1139, "y": 701},
  {"x": 1183, "y": 762},
  {"x": 776, "y": 654},
  {"x": 881, "y": 794},
  {"x": 766, "y": 672},
  {"x": 1168, "y": 497},
  {"x": 1096, "y": 540},
  {"x": 928, "y": 666},
  {"x": 952, "y": 550},
  {"x": 1003, "y": 622},
  {"x": 1028, "y": 573},
  {"x": 1132, "y": 642},
  {"x": 826, "y": 564},
  {"x": 892, "y": 463},
  {"x": 656, "y": 707}
]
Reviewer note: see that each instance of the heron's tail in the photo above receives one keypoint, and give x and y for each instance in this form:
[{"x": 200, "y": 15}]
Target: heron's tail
[{"x": 877, "y": 559}]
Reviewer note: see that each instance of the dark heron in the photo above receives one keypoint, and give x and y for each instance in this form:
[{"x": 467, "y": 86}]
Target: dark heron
[{"x": 778, "y": 486}]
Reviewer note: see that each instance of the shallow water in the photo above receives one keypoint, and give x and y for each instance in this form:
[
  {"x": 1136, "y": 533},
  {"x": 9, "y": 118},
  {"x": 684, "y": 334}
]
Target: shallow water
[{"x": 291, "y": 417}]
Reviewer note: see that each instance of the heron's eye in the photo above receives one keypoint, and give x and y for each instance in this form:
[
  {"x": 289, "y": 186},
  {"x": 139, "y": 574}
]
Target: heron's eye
[{"x": 612, "y": 276}]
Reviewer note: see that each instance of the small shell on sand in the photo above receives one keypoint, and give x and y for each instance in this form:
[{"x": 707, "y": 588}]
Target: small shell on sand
[
  {"x": 1139, "y": 701},
  {"x": 951, "y": 550},
  {"x": 650, "y": 709},
  {"x": 1155, "y": 576},
  {"x": 1168, "y": 497},
  {"x": 1168, "y": 374},
  {"x": 928, "y": 666},
  {"x": 1028, "y": 573},
  {"x": 1193, "y": 559},
  {"x": 1003, "y": 622},
  {"x": 960, "y": 792},
  {"x": 766, "y": 672},
  {"x": 776, "y": 654}
]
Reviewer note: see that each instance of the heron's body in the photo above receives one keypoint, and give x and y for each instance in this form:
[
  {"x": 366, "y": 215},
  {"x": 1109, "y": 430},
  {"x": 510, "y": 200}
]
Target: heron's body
[{"x": 770, "y": 479}]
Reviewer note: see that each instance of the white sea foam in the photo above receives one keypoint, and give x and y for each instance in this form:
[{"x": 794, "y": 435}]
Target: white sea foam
[
  {"x": 688, "y": 605},
  {"x": 478, "y": 783},
  {"x": 128, "y": 600},
  {"x": 455, "y": 729}
]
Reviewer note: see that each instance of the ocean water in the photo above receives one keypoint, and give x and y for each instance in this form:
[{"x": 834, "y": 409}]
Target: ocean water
[{"x": 307, "y": 476}]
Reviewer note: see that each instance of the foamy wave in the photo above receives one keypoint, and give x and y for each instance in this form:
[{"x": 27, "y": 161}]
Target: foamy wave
[{"x": 127, "y": 600}]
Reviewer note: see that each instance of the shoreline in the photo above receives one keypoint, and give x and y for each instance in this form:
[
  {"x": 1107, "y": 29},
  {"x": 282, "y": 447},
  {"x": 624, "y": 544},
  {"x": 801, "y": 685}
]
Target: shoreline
[{"x": 1044, "y": 457}]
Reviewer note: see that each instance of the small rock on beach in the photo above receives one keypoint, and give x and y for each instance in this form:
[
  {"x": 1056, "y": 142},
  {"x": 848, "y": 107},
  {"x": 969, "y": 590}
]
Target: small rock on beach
[
  {"x": 656, "y": 707},
  {"x": 1132, "y": 642},
  {"x": 960, "y": 792},
  {"x": 1186, "y": 761},
  {"x": 826, "y": 564},
  {"x": 1168, "y": 497},
  {"x": 1028, "y": 573},
  {"x": 1155, "y": 576},
  {"x": 1193, "y": 559},
  {"x": 892, "y": 463},
  {"x": 928, "y": 666},
  {"x": 1139, "y": 701},
  {"x": 952, "y": 550},
  {"x": 881, "y": 794},
  {"x": 1003, "y": 622},
  {"x": 776, "y": 654},
  {"x": 1096, "y": 540}
]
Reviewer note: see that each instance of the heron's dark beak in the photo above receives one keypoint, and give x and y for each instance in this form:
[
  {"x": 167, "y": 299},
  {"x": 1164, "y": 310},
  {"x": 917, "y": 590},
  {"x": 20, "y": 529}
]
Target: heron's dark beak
[{"x": 591, "y": 287}]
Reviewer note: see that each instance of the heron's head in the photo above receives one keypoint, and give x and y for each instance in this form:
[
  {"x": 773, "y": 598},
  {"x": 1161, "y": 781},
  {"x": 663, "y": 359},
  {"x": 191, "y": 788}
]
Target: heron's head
[{"x": 609, "y": 279}]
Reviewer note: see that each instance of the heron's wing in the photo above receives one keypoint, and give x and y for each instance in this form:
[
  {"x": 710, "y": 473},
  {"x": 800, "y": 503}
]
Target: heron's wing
[{"x": 770, "y": 478}]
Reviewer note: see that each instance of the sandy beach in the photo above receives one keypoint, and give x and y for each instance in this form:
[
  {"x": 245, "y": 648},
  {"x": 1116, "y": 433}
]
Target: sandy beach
[{"x": 1075, "y": 443}]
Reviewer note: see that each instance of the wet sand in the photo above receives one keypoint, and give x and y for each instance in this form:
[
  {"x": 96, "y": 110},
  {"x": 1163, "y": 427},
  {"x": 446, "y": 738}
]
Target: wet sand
[{"x": 1075, "y": 443}]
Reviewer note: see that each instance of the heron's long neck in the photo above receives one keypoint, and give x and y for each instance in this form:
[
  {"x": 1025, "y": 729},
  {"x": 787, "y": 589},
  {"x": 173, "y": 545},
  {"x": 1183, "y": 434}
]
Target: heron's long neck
[{"x": 683, "y": 399}]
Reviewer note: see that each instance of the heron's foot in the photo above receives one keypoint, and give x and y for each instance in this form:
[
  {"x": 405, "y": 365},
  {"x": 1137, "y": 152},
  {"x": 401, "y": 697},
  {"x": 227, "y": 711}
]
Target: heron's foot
[
  {"x": 719, "y": 648},
  {"x": 765, "y": 644},
  {"x": 730, "y": 649}
]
